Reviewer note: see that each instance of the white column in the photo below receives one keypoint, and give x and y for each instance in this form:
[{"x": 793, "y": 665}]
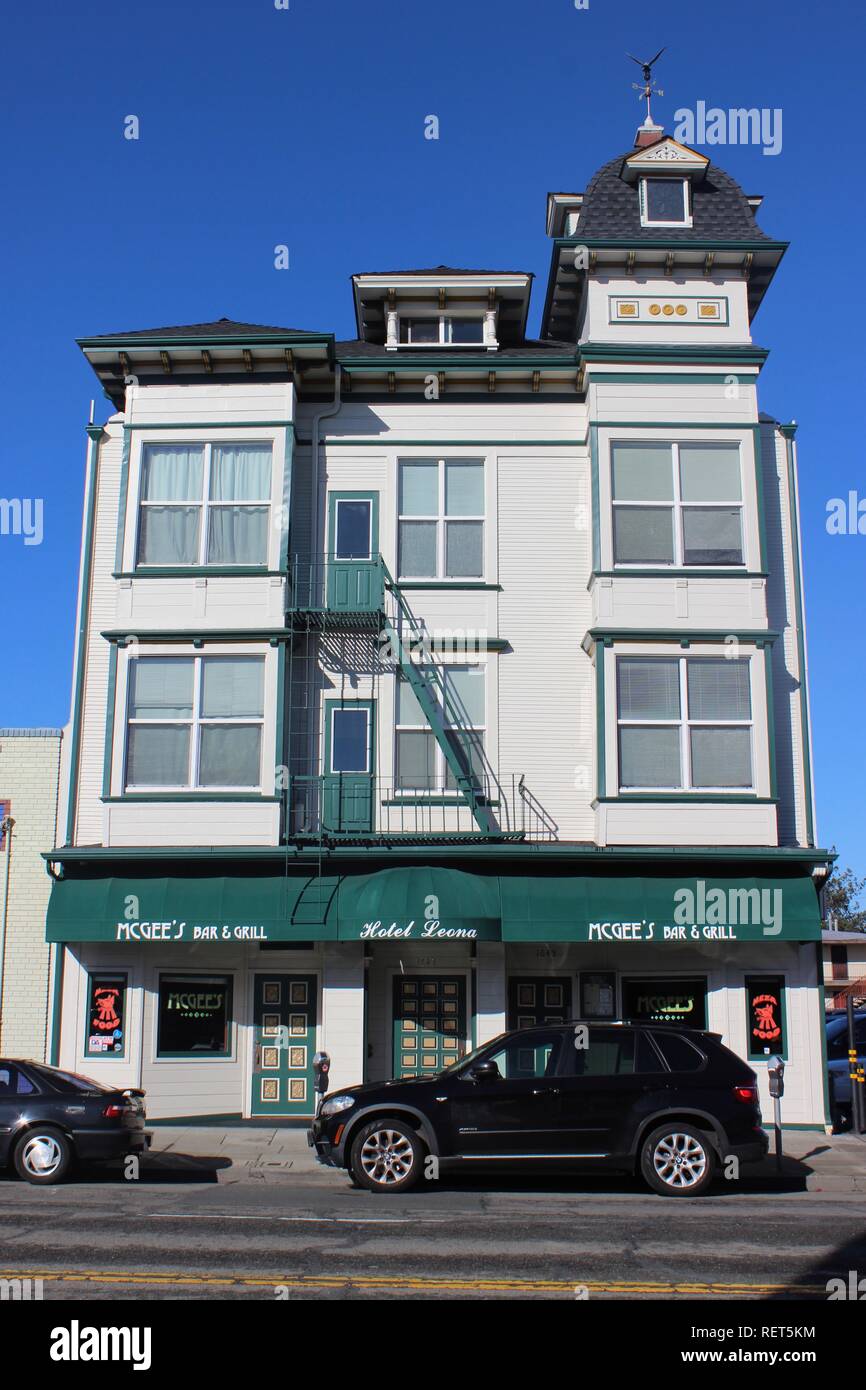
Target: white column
[
  {"x": 490, "y": 990},
  {"x": 392, "y": 340},
  {"x": 490, "y": 328},
  {"x": 343, "y": 1012}
]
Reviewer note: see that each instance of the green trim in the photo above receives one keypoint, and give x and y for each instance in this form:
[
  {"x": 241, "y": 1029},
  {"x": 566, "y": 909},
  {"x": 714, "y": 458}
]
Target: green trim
[
  {"x": 211, "y": 425},
  {"x": 596, "y": 497},
  {"x": 771, "y": 723},
  {"x": 95, "y": 435},
  {"x": 454, "y": 801},
  {"x": 672, "y": 571},
  {"x": 122, "y": 500},
  {"x": 202, "y": 794},
  {"x": 667, "y": 244},
  {"x": 675, "y": 425},
  {"x": 467, "y": 647},
  {"x": 758, "y": 442},
  {"x": 388, "y": 442},
  {"x": 198, "y": 637},
  {"x": 478, "y": 849},
  {"x": 642, "y": 352},
  {"x": 199, "y": 572},
  {"x": 601, "y": 769},
  {"x": 288, "y": 480},
  {"x": 448, "y": 363},
  {"x": 447, "y": 584},
  {"x": 805, "y": 719},
  {"x": 759, "y": 637},
  {"x": 370, "y": 495},
  {"x": 670, "y": 378},
  {"x": 109, "y": 722},
  {"x": 59, "y": 952},
  {"x": 722, "y": 798}
]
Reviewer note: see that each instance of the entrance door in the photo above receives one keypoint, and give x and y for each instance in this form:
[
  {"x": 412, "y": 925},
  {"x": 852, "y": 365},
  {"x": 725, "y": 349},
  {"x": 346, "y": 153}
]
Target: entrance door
[
  {"x": 284, "y": 1040},
  {"x": 348, "y": 780},
  {"x": 429, "y": 1023},
  {"x": 354, "y": 574}
]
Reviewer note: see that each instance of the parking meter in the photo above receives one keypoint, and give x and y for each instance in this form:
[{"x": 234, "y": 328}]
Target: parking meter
[
  {"x": 321, "y": 1069},
  {"x": 776, "y": 1077}
]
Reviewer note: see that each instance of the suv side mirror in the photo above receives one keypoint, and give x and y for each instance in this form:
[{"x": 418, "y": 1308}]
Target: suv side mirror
[{"x": 485, "y": 1071}]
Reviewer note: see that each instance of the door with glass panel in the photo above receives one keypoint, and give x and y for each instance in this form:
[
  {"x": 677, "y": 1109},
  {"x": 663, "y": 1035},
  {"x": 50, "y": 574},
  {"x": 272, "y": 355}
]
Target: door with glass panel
[
  {"x": 195, "y": 723},
  {"x": 205, "y": 504},
  {"x": 429, "y": 1023},
  {"x": 284, "y": 1042},
  {"x": 354, "y": 577},
  {"x": 348, "y": 777}
]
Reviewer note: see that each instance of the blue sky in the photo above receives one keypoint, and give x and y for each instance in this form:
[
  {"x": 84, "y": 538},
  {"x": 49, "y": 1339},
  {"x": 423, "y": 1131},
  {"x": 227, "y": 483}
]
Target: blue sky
[{"x": 305, "y": 126}]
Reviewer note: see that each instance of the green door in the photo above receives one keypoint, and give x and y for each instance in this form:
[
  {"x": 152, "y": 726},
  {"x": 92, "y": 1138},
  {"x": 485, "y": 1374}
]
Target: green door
[
  {"x": 429, "y": 1023},
  {"x": 284, "y": 1040},
  {"x": 535, "y": 999},
  {"x": 354, "y": 575},
  {"x": 347, "y": 800}
]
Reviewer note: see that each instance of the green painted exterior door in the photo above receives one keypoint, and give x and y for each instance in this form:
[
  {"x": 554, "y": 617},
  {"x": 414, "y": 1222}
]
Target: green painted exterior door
[
  {"x": 538, "y": 999},
  {"x": 429, "y": 1023},
  {"x": 355, "y": 582},
  {"x": 347, "y": 793},
  {"x": 284, "y": 1041}
]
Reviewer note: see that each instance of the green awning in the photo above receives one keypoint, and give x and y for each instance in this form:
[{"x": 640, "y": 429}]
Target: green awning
[
  {"x": 192, "y": 907},
  {"x": 419, "y": 903},
  {"x": 431, "y": 903},
  {"x": 655, "y": 908}
]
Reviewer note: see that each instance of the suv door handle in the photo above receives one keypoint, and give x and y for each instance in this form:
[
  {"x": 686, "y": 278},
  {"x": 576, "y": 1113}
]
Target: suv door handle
[{"x": 546, "y": 1091}]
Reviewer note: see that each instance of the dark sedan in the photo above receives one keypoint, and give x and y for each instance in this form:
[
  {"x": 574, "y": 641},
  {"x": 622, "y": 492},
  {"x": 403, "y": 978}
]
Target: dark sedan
[{"x": 50, "y": 1118}]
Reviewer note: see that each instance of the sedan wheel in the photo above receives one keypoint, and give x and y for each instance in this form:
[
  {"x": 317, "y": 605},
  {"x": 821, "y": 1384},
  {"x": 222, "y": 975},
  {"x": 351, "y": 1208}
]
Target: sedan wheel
[
  {"x": 677, "y": 1161},
  {"x": 387, "y": 1156},
  {"x": 42, "y": 1156}
]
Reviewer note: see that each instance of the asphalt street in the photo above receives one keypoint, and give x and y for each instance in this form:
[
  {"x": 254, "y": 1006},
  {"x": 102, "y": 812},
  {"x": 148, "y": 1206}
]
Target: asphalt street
[{"x": 175, "y": 1235}]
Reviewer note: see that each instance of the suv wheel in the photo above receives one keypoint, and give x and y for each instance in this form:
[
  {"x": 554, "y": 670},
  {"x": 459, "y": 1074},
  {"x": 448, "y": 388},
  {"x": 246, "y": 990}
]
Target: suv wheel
[
  {"x": 677, "y": 1160},
  {"x": 387, "y": 1156}
]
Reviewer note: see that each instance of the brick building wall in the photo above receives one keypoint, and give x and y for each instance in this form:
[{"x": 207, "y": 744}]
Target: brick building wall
[{"x": 29, "y": 773}]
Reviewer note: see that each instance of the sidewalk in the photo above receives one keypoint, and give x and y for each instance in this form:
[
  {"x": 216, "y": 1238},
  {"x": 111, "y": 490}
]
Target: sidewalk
[{"x": 250, "y": 1153}]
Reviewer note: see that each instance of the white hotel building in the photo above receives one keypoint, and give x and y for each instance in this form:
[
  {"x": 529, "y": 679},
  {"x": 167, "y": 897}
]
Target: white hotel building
[{"x": 443, "y": 680}]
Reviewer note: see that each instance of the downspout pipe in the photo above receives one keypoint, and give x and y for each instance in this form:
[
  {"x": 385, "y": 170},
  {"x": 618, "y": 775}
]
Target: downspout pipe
[{"x": 6, "y": 826}]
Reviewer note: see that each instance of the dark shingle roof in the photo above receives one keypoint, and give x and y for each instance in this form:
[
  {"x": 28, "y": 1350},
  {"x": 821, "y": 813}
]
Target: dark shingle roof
[
  {"x": 611, "y": 208},
  {"x": 219, "y": 328}
]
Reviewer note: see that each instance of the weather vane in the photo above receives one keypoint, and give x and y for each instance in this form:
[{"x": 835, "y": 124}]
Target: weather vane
[{"x": 648, "y": 89}]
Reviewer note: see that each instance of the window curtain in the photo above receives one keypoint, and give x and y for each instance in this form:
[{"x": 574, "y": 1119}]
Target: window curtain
[
  {"x": 238, "y": 535},
  {"x": 171, "y": 473},
  {"x": 158, "y": 755},
  {"x": 232, "y": 688},
  {"x": 160, "y": 688},
  {"x": 230, "y": 755},
  {"x": 650, "y": 757}
]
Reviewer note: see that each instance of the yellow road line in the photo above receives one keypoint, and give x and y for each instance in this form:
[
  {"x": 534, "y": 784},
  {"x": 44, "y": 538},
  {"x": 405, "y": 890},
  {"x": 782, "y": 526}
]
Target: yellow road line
[{"x": 408, "y": 1281}]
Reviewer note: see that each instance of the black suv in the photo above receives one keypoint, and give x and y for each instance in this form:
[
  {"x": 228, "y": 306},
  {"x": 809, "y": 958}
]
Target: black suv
[{"x": 669, "y": 1102}]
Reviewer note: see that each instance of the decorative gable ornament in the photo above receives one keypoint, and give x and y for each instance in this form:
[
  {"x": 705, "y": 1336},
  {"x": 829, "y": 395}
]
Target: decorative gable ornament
[{"x": 665, "y": 156}]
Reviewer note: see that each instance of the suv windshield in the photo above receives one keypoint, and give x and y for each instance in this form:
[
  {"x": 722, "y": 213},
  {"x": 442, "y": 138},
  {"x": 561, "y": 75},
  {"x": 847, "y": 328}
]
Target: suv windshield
[{"x": 470, "y": 1057}]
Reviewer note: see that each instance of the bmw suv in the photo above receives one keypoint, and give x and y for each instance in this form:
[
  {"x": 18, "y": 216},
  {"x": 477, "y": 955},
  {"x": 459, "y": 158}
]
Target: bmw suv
[{"x": 668, "y": 1102}]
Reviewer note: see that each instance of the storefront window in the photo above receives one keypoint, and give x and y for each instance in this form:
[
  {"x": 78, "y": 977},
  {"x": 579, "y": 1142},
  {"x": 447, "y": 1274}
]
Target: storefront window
[
  {"x": 106, "y": 1016},
  {"x": 598, "y": 994},
  {"x": 666, "y": 999},
  {"x": 194, "y": 1015},
  {"x": 765, "y": 1011}
]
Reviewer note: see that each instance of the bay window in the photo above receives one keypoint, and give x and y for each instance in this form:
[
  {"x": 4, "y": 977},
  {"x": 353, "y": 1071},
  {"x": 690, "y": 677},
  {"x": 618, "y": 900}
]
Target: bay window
[
  {"x": 204, "y": 504},
  {"x": 684, "y": 723},
  {"x": 420, "y": 762},
  {"x": 676, "y": 504},
  {"x": 195, "y": 722},
  {"x": 441, "y": 519}
]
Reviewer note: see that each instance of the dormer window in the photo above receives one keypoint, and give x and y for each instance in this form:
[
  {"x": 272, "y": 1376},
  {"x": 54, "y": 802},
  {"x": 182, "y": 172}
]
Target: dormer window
[
  {"x": 443, "y": 330},
  {"x": 665, "y": 202}
]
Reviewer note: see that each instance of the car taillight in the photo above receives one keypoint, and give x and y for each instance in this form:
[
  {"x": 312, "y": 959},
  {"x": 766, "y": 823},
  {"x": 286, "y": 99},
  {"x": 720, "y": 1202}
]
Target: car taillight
[
  {"x": 747, "y": 1094},
  {"x": 112, "y": 1112}
]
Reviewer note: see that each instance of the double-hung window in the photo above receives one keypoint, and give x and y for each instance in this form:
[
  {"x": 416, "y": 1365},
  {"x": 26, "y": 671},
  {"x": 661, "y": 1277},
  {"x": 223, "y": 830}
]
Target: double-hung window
[
  {"x": 205, "y": 504},
  {"x": 421, "y": 765},
  {"x": 195, "y": 722},
  {"x": 441, "y": 519},
  {"x": 685, "y": 723},
  {"x": 676, "y": 504}
]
